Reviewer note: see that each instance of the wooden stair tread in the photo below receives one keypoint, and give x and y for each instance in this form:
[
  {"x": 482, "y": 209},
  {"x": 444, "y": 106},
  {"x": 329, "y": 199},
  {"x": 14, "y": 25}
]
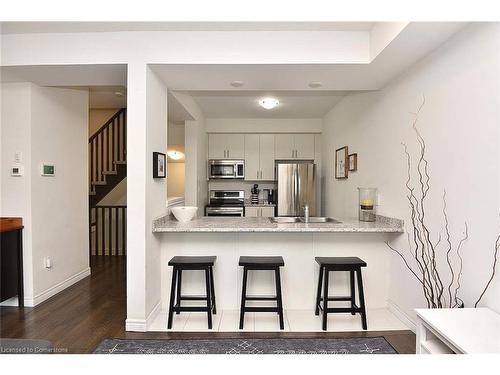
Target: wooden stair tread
[
  {"x": 120, "y": 162},
  {"x": 109, "y": 172}
]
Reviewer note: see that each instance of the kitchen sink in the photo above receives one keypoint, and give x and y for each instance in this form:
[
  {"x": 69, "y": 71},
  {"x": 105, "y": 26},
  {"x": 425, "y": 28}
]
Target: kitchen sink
[
  {"x": 285, "y": 220},
  {"x": 312, "y": 220},
  {"x": 319, "y": 219}
]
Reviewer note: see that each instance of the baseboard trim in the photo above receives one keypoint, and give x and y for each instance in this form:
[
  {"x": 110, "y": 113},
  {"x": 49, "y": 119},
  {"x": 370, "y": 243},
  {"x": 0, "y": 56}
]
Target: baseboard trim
[
  {"x": 401, "y": 315},
  {"x": 142, "y": 325},
  {"x": 52, "y": 291}
]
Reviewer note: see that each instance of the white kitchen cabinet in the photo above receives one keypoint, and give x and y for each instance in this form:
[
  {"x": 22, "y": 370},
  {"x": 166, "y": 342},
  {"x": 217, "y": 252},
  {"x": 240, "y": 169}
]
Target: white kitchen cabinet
[
  {"x": 304, "y": 146},
  {"x": 252, "y": 211},
  {"x": 259, "y": 211},
  {"x": 284, "y": 146},
  {"x": 267, "y": 157},
  {"x": 267, "y": 211},
  {"x": 226, "y": 146},
  {"x": 294, "y": 146},
  {"x": 216, "y": 146},
  {"x": 235, "y": 146},
  {"x": 259, "y": 157},
  {"x": 252, "y": 157}
]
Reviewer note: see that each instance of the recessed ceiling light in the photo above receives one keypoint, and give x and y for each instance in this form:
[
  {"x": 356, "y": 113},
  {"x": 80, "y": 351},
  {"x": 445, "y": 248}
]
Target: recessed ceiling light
[
  {"x": 315, "y": 84},
  {"x": 237, "y": 83},
  {"x": 269, "y": 103},
  {"x": 119, "y": 93},
  {"x": 175, "y": 155}
]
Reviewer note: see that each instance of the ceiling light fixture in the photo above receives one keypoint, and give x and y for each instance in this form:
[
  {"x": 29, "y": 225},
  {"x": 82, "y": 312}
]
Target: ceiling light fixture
[
  {"x": 269, "y": 103},
  {"x": 315, "y": 84},
  {"x": 237, "y": 83},
  {"x": 119, "y": 93},
  {"x": 175, "y": 155}
]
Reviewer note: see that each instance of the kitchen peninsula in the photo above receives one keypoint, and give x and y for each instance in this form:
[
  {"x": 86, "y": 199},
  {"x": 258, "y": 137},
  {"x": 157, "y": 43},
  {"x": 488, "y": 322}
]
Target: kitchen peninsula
[{"x": 298, "y": 244}]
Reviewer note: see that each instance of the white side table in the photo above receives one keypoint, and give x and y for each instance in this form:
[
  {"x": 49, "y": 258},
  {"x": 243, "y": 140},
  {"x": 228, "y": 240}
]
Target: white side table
[{"x": 469, "y": 330}]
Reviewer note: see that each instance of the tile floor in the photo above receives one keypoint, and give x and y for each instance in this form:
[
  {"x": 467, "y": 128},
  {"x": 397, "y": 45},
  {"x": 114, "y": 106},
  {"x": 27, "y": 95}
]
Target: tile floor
[{"x": 295, "y": 321}]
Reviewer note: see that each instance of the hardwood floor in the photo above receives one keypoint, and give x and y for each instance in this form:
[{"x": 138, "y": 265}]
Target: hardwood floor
[{"x": 94, "y": 309}]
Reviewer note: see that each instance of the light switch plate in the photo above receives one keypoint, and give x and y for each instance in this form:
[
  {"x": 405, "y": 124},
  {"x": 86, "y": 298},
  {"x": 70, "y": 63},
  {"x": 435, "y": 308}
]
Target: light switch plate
[{"x": 18, "y": 157}]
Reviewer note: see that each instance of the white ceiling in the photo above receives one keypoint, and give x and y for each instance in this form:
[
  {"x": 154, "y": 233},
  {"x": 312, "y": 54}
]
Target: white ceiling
[
  {"x": 210, "y": 83},
  {"x": 74, "y": 27},
  {"x": 176, "y": 112},
  {"x": 67, "y": 75},
  {"x": 244, "y": 104},
  {"x": 105, "y": 97}
]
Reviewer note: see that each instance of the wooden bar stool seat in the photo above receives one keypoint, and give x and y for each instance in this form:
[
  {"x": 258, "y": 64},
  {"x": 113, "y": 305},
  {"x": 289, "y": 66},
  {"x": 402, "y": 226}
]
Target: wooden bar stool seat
[
  {"x": 271, "y": 263},
  {"x": 353, "y": 266},
  {"x": 190, "y": 263}
]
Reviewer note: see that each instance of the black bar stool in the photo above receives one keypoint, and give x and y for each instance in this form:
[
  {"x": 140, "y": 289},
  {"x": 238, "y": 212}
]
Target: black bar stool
[
  {"x": 272, "y": 263},
  {"x": 200, "y": 263},
  {"x": 351, "y": 264}
]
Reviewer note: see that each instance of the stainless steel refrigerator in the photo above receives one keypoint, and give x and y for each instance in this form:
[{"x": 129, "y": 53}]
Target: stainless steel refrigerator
[{"x": 296, "y": 187}]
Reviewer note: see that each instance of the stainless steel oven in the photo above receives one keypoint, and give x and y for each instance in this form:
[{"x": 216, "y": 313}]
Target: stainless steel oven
[
  {"x": 226, "y": 203},
  {"x": 225, "y": 211},
  {"x": 226, "y": 169}
]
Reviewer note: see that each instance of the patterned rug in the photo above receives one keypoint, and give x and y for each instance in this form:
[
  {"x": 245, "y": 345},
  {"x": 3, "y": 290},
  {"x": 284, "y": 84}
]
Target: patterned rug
[{"x": 352, "y": 345}]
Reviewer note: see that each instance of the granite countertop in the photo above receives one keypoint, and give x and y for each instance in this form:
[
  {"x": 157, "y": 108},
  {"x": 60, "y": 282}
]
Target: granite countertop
[{"x": 261, "y": 224}]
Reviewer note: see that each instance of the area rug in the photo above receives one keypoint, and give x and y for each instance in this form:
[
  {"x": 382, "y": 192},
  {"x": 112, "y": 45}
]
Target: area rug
[{"x": 352, "y": 345}]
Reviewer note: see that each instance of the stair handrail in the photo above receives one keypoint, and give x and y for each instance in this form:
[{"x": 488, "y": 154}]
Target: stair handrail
[{"x": 107, "y": 123}]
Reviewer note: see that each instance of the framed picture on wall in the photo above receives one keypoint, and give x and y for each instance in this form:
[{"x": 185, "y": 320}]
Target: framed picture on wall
[
  {"x": 159, "y": 165},
  {"x": 341, "y": 163},
  {"x": 353, "y": 162}
]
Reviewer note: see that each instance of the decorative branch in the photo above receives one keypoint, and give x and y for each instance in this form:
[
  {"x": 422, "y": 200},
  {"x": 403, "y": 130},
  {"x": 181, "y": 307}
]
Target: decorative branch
[
  {"x": 424, "y": 247},
  {"x": 465, "y": 237},
  {"x": 495, "y": 259}
]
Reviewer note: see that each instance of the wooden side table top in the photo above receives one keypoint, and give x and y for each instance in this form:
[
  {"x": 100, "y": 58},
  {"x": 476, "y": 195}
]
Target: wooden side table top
[
  {"x": 8, "y": 224},
  {"x": 472, "y": 330}
]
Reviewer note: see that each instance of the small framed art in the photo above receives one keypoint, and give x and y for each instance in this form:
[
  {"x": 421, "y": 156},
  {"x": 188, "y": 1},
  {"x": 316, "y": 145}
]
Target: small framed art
[
  {"x": 353, "y": 162},
  {"x": 159, "y": 165},
  {"x": 341, "y": 163}
]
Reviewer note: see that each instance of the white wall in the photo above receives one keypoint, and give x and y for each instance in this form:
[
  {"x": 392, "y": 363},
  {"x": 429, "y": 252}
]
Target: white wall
[
  {"x": 253, "y": 125},
  {"x": 176, "y": 134},
  {"x": 48, "y": 125},
  {"x": 16, "y": 191},
  {"x": 196, "y": 186},
  {"x": 460, "y": 123}
]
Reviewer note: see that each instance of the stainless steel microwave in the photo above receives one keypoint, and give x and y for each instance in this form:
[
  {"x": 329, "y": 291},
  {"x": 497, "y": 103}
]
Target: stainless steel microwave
[{"x": 226, "y": 169}]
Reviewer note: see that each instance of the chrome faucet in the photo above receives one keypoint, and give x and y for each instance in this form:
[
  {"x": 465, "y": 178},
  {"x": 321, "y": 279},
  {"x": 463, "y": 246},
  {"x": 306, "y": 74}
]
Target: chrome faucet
[{"x": 306, "y": 214}]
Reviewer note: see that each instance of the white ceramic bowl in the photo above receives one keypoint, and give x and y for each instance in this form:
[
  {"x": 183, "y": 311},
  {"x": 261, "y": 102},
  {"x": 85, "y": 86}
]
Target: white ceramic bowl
[{"x": 184, "y": 213}]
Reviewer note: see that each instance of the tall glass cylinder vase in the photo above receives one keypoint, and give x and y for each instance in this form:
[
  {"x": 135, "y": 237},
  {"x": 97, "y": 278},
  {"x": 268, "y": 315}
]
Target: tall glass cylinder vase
[{"x": 367, "y": 204}]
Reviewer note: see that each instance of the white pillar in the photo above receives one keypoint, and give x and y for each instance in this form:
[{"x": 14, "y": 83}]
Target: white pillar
[{"x": 146, "y": 197}]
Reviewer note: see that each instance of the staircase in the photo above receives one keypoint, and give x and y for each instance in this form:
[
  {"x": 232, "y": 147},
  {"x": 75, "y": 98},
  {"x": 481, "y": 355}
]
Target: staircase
[{"x": 107, "y": 168}]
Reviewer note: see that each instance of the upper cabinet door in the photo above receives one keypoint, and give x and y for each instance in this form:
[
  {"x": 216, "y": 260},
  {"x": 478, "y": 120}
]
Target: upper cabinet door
[
  {"x": 235, "y": 146},
  {"x": 217, "y": 146},
  {"x": 284, "y": 146},
  {"x": 267, "y": 157},
  {"x": 304, "y": 146},
  {"x": 252, "y": 164}
]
